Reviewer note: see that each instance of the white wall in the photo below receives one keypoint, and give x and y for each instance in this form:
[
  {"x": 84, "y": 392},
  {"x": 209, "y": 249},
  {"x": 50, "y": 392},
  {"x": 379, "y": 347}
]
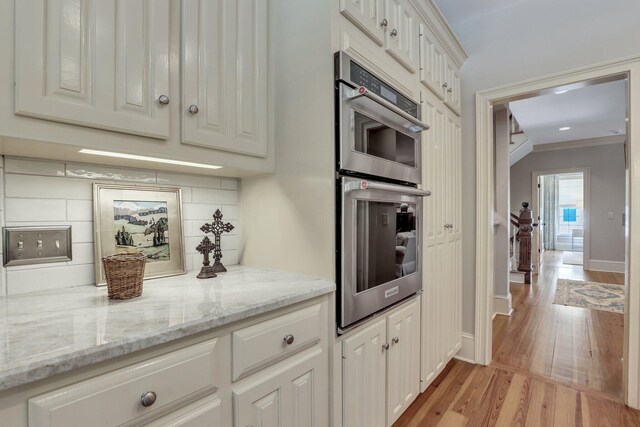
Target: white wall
[
  {"x": 289, "y": 217},
  {"x": 524, "y": 40},
  {"x": 55, "y": 193},
  {"x": 607, "y": 171}
]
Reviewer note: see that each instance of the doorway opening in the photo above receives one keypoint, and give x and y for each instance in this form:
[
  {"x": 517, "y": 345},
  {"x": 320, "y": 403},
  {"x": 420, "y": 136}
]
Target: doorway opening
[{"x": 565, "y": 319}]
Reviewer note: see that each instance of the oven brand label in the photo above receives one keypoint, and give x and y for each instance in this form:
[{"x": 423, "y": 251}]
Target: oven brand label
[{"x": 391, "y": 292}]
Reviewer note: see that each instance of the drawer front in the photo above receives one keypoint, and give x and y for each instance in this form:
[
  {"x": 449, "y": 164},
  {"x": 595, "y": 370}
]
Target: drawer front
[
  {"x": 206, "y": 412},
  {"x": 263, "y": 344},
  {"x": 116, "y": 397}
]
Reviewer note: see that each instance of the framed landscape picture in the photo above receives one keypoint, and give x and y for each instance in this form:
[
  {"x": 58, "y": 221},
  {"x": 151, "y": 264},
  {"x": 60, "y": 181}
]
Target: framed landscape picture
[{"x": 131, "y": 218}]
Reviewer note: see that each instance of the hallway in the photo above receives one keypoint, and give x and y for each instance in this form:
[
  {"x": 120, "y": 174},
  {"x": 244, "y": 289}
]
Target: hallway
[{"x": 568, "y": 344}]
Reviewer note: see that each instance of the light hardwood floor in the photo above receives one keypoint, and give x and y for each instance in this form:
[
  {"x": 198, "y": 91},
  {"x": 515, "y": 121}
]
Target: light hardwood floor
[{"x": 553, "y": 366}]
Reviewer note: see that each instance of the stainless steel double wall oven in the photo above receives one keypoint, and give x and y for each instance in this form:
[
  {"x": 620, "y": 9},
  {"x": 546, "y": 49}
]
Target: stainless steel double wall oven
[{"x": 378, "y": 169}]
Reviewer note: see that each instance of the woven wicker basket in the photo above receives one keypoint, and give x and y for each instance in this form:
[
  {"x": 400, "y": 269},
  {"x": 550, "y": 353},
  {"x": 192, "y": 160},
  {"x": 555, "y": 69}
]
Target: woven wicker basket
[{"x": 124, "y": 274}]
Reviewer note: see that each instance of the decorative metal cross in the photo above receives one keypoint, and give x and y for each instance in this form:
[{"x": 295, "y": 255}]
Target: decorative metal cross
[
  {"x": 217, "y": 228},
  {"x": 205, "y": 248}
]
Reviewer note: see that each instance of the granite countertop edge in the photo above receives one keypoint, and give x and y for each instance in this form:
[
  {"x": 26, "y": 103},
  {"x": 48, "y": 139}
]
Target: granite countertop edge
[{"x": 48, "y": 367}]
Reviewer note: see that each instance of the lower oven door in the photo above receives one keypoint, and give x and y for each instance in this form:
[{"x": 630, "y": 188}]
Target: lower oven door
[{"x": 380, "y": 250}]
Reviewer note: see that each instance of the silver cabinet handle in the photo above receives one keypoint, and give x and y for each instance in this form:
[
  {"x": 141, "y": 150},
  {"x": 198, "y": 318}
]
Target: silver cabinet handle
[
  {"x": 384, "y": 22},
  {"x": 450, "y": 90},
  {"x": 395, "y": 340},
  {"x": 163, "y": 99},
  {"x": 148, "y": 398},
  {"x": 385, "y": 346},
  {"x": 359, "y": 185},
  {"x": 193, "y": 109},
  {"x": 394, "y": 32},
  {"x": 445, "y": 85},
  {"x": 288, "y": 339}
]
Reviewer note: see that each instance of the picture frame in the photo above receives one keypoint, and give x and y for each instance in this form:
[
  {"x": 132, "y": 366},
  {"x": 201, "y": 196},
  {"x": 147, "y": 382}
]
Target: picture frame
[{"x": 133, "y": 218}]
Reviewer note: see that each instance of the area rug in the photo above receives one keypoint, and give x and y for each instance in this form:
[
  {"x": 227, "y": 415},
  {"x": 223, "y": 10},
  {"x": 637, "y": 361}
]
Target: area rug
[
  {"x": 572, "y": 258},
  {"x": 596, "y": 296}
]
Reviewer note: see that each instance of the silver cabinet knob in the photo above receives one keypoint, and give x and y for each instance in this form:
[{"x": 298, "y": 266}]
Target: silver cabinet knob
[
  {"x": 385, "y": 346},
  {"x": 450, "y": 90},
  {"x": 288, "y": 339},
  {"x": 163, "y": 99},
  {"x": 193, "y": 109},
  {"x": 148, "y": 398},
  {"x": 384, "y": 22},
  {"x": 395, "y": 340},
  {"x": 445, "y": 85},
  {"x": 394, "y": 32}
]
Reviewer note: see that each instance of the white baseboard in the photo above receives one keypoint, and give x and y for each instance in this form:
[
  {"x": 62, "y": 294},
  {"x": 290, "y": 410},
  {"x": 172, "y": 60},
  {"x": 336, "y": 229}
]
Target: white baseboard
[
  {"x": 608, "y": 266},
  {"x": 502, "y": 305},
  {"x": 468, "y": 351},
  {"x": 516, "y": 277}
]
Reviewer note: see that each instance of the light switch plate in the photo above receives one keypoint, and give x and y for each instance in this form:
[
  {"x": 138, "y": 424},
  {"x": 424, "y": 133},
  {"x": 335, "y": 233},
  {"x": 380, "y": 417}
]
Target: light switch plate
[{"x": 36, "y": 245}]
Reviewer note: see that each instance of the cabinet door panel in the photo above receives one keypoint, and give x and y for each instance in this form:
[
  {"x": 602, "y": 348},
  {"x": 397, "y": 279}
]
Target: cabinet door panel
[
  {"x": 402, "y": 34},
  {"x": 99, "y": 64},
  {"x": 287, "y": 397},
  {"x": 452, "y": 98},
  {"x": 225, "y": 75},
  {"x": 403, "y": 360},
  {"x": 364, "y": 373},
  {"x": 431, "y": 62},
  {"x": 366, "y": 15}
]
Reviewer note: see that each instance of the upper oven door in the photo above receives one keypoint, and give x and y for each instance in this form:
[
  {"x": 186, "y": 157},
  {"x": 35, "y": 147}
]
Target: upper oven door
[
  {"x": 376, "y": 137},
  {"x": 380, "y": 259}
]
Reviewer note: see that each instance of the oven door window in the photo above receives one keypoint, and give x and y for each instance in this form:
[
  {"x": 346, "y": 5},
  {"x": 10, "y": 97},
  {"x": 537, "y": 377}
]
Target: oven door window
[
  {"x": 386, "y": 242},
  {"x": 376, "y": 139}
]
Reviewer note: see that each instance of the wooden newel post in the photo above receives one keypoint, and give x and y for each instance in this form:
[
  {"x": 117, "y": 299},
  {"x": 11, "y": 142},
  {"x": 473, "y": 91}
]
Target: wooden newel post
[{"x": 525, "y": 233}]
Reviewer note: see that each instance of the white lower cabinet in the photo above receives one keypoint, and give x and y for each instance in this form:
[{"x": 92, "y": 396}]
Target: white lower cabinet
[
  {"x": 381, "y": 368},
  {"x": 281, "y": 380},
  {"x": 287, "y": 397}
]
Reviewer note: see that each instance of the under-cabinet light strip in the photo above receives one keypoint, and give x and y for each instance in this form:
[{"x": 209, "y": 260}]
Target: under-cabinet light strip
[{"x": 147, "y": 159}]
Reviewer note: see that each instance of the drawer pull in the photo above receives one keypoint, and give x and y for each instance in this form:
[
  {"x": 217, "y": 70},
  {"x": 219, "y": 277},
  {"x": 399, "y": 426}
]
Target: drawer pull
[
  {"x": 395, "y": 340},
  {"x": 148, "y": 398},
  {"x": 288, "y": 339}
]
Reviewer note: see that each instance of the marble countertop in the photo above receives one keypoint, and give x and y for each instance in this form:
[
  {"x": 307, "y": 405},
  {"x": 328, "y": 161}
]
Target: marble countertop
[{"x": 51, "y": 332}]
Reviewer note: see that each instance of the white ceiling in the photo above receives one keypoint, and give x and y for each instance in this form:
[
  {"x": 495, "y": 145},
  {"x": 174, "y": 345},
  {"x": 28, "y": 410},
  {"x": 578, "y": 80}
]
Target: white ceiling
[
  {"x": 591, "y": 112},
  {"x": 459, "y": 11}
]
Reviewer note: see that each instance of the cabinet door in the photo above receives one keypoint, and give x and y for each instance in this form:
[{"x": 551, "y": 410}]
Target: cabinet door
[
  {"x": 435, "y": 225},
  {"x": 102, "y": 64},
  {"x": 224, "y": 75},
  {"x": 363, "y": 377},
  {"x": 402, "y": 34},
  {"x": 290, "y": 397},
  {"x": 452, "y": 96},
  {"x": 454, "y": 234},
  {"x": 432, "y": 60},
  {"x": 366, "y": 15},
  {"x": 403, "y": 359}
]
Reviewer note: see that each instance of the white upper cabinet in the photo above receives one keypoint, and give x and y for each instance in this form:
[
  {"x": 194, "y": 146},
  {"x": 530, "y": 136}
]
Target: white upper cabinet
[
  {"x": 452, "y": 94},
  {"x": 368, "y": 15},
  {"x": 224, "y": 75},
  {"x": 102, "y": 64},
  {"x": 402, "y": 33},
  {"x": 432, "y": 62}
]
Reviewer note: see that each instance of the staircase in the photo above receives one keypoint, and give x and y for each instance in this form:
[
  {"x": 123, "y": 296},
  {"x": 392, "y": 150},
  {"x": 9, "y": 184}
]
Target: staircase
[{"x": 520, "y": 266}]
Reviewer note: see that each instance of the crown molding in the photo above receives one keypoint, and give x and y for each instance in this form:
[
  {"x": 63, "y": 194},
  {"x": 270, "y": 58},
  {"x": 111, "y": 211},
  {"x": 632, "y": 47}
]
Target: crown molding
[
  {"x": 581, "y": 143},
  {"x": 434, "y": 19}
]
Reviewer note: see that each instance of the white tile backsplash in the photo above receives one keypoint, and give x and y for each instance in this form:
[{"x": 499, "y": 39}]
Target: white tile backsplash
[{"x": 42, "y": 193}]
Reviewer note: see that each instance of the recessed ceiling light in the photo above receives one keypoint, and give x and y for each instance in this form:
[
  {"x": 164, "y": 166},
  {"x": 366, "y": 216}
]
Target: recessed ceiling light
[
  {"x": 147, "y": 159},
  {"x": 564, "y": 128},
  {"x": 558, "y": 92}
]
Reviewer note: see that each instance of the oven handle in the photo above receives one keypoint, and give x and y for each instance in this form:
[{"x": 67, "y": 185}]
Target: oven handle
[
  {"x": 362, "y": 91},
  {"x": 368, "y": 185}
]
